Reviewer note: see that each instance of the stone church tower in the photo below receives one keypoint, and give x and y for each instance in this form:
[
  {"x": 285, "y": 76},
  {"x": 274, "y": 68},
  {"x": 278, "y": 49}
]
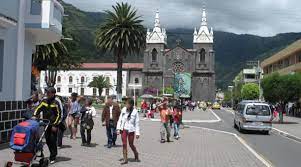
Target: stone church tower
[
  {"x": 203, "y": 78},
  {"x": 162, "y": 64}
]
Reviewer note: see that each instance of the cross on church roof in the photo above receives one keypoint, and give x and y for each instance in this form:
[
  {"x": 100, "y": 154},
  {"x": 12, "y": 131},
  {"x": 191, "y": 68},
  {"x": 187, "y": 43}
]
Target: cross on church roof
[{"x": 178, "y": 41}]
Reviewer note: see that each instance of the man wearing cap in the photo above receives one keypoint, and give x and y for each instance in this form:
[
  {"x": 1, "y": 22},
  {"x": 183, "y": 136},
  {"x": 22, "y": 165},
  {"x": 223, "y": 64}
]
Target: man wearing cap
[
  {"x": 51, "y": 108},
  {"x": 110, "y": 116}
]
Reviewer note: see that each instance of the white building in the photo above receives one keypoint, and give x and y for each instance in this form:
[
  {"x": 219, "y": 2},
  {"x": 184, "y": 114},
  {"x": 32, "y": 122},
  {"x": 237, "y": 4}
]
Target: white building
[
  {"x": 249, "y": 75},
  {"x": 23, "y": 25},
  {"x": 78, "y": 80}
]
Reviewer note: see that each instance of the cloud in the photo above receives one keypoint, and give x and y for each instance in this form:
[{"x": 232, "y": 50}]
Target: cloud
[{"x": 260, "y": 17}]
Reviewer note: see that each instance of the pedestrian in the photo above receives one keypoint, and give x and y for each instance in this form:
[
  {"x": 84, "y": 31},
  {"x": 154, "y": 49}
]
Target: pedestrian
[
  {"x": 144, "y": 107},
  {"x": 110, "y": 115},
  {"x": 177, "y": 117},
  {"x": 73, "y": 114},
  {"x": 51, "y": 110},
  {"x": 164, "y": 112},
  {"x": 62, "y": 125},
  {"x": 88, "y": 112},
  {"x": 128, "y": 127}
]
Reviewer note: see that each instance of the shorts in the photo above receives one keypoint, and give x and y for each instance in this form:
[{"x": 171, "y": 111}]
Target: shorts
[{"x": 75, "y": 115}]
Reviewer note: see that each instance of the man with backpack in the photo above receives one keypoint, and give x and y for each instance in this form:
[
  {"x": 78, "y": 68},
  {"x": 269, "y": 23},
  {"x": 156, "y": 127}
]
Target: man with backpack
[
  {"x": 51, "y": 107},
  {"x": 88, "y": 112}
]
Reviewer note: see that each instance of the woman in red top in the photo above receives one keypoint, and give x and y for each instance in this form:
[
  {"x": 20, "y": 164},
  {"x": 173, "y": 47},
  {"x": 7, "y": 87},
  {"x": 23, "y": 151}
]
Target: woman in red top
[{"x": 177, "y": 117}]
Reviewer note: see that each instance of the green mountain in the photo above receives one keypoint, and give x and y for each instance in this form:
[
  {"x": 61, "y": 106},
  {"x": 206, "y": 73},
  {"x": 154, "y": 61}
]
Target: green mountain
[{"x": 232, "y": 50}]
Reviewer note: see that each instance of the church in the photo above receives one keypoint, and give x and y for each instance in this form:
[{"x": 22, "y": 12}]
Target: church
[{"x": 189, "y": 71}]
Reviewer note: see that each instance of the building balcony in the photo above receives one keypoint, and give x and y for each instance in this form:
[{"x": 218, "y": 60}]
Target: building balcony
[{"x": 43, "y": 19}]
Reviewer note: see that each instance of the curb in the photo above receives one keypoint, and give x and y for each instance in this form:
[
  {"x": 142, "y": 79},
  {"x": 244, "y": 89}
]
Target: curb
[{"x": 287, "y": 135}]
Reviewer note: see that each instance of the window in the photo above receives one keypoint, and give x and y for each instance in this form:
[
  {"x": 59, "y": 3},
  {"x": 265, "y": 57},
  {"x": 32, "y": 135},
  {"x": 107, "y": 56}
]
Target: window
[
  {"x": 136, "y": 80},
  {"x": 108, "y": 79},
  {"x": 59, "y": 79},
  {"x": 57, "y": 14},
  {"x": 58, "y": 89},
  {"x": 261, "y": 110},
  {"x": 154, "y": 55},
  {"x": 94, "y": 91},
  {"x": 202, "y": 55},
  {"x": 70, "y": 90},
  {"x": 1, "y": 62},
  {"x": 107, "y": 92},
  {"x": 178, "y": 67},
  {"x": 35, "y": 7},
  {"x": 82, "y": 91},
  {"x": 299, "y": 57},
  {"x": 70, "y": 79},
  {"x": 82, "y": 79}
]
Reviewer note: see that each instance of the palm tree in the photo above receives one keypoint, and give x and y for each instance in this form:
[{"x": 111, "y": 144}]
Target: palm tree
[
  {"x": 121, "y": 34},
  {"x": 100, "y": 83},
  {"x": 53, "y": 57}
]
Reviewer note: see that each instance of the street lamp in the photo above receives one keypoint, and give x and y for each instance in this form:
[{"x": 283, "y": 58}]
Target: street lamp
[{"x": 134, "y": 87}]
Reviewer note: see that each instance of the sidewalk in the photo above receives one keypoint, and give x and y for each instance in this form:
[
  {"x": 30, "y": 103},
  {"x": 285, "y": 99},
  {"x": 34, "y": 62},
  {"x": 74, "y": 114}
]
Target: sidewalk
[
  {"x": 196, "y": 147},
  {"x": 291, "y": 125}
]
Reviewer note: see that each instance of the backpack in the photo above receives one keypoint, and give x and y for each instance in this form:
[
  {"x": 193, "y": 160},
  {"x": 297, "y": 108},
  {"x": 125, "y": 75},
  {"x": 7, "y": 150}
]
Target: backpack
[{"x": 87, "y": 121}]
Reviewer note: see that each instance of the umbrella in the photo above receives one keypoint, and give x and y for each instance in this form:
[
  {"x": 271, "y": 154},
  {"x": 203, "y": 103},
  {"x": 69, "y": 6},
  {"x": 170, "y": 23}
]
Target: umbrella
[{"x": 147, "y": 96}]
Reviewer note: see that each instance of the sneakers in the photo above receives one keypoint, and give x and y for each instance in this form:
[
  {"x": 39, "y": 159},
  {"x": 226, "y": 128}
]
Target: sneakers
[{"x": 162, "y": 141}]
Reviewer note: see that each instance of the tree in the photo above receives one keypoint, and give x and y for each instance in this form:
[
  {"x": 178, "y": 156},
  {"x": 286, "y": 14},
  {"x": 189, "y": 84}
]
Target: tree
[
  {"x": 168, "y": 90},
  {"x": 282, "y": 89},
  {"x": 53, "y": 57},
  {"x": 121, "y": 34},
  {"x": 250, "y": 91},
  {"x": 100, "y": 83}
]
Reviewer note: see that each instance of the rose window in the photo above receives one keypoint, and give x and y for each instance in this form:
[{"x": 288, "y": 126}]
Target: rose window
[{"x": 178, "y": 67}]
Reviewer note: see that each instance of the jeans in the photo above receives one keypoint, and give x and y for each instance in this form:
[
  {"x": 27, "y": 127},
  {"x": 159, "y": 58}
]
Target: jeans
[
  {"x": 51, "y": 141},
  {"x": 111, "y": 134},
  {"x": 83, "y": 135},
  {"x": 176, "y": 129},
  {"x": 165, "y": 128}
]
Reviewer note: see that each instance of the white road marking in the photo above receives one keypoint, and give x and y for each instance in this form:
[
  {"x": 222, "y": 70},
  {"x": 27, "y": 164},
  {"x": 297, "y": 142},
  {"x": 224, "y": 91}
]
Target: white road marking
[
  {"x": 218, "y": 119},
  {"x": 243, "y": 142}
]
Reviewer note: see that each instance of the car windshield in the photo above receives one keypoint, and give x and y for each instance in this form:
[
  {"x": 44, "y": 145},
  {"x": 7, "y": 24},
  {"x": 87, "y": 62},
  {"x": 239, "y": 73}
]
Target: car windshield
[{"x": 262, "y": 110}]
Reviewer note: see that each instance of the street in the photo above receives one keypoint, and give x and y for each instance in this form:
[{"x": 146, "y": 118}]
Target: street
[{"x": 279, "y": 150}]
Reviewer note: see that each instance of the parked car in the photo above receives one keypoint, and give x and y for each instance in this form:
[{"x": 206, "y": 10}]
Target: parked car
[
  {"x": 253, "y": 115},
  {"x": 216, "y": 106}
]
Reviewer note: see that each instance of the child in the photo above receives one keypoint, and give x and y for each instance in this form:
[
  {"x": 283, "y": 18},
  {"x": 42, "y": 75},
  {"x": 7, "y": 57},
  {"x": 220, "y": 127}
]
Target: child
[{"x": 177, "y": 116}]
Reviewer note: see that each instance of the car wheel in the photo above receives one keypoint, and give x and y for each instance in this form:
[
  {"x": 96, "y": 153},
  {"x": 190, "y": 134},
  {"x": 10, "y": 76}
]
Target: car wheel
[
  {"x": 234, "y": 124},
  {"x": 240, "y": 129},
  {"x": 266, "y": 132}
]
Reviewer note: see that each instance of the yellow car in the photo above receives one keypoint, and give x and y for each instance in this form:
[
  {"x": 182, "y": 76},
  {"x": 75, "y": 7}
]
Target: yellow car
[{"x": 216, "y": 106}]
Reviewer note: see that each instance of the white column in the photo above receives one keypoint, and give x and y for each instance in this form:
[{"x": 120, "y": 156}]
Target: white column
[{"x": 20, "y": 51}]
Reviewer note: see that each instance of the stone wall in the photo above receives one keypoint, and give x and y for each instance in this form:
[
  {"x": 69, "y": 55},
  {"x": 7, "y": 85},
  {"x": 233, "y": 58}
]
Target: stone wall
[{"x": 10, "y": 115}]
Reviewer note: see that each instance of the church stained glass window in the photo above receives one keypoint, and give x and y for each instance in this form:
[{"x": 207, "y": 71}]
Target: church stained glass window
[{"x": 178, "y": 67}]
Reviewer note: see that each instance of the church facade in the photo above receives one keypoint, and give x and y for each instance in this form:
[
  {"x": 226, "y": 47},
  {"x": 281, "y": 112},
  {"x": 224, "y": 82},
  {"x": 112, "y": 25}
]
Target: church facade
[{"x": 162, "y": 65}]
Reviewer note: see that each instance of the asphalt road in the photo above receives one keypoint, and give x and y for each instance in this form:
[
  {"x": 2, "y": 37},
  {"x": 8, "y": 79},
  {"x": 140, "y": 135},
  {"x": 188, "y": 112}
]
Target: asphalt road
[{"x": 279, "y": 150}]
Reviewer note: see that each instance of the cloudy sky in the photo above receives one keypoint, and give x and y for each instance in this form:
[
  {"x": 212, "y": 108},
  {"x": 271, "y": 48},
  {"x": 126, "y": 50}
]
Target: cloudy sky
[{"x": 260, "y": 17}]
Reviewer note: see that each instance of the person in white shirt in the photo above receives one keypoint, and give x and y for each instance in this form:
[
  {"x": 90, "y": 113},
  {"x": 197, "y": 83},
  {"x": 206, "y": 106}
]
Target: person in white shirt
[
  {"x": 88, "y": 113},
  {"x": 128, "y": 127}
]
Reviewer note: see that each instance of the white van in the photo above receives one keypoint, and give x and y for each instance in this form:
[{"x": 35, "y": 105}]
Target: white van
[{"x": 253, "y": 115}]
